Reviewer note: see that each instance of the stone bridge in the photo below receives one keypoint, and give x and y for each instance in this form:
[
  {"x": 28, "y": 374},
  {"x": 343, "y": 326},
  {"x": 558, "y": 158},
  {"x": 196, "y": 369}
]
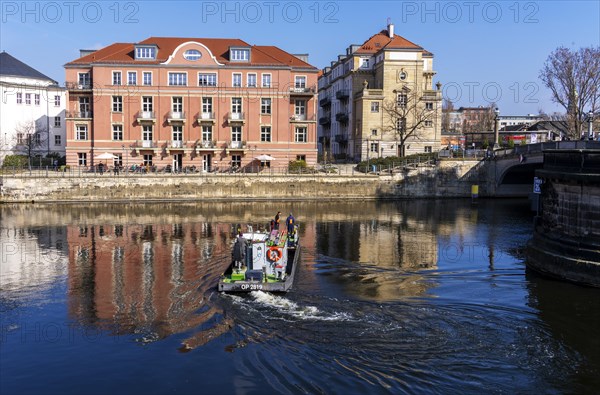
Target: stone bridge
[{"x": 512, "y": 171}]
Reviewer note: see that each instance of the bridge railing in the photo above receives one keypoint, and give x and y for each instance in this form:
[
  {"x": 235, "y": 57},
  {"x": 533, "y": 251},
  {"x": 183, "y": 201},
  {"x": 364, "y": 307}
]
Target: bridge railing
[{"x": 540, "y": 147}]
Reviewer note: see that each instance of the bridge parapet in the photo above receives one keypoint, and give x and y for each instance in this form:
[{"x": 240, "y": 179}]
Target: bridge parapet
[{"x": 548, "y": 145}]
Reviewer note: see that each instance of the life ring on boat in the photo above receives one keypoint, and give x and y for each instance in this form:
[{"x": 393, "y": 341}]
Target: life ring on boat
[{"x": 274, "y": 254}]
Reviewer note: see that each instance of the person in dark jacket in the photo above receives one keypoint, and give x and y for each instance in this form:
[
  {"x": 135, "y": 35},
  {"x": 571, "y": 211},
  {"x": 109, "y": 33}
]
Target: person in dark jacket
[
  {"x": 277, "y": 220},
  {"x": 290, "y": 221},
  {"x": 239, "y": 251}
]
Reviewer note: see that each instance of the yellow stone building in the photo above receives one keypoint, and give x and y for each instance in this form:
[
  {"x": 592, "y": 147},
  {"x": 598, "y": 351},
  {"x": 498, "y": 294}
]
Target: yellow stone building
[{"x": 378, "y": 100}]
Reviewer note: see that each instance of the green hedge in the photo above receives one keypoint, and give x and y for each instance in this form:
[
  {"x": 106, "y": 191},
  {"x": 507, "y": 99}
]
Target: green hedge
[{"x": 15, "y": 161}]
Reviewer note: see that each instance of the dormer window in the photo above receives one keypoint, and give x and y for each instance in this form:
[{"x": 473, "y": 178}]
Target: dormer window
[
  {"x": 239, "y": 54},
  {"x": 145, "y": 52}
]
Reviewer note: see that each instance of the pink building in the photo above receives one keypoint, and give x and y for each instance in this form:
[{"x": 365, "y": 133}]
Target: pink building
[{"x": 209, "y": 103}]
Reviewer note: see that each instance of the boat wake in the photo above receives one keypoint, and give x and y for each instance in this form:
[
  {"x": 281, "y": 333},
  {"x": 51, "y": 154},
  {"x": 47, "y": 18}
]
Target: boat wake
[
  {"x": 295, "y": 310},
  {"x": 289, "y": 308}
]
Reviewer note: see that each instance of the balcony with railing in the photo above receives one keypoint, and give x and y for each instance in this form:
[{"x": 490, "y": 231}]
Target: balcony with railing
[
  {"x": 176, "y": 144},
  {"x": 146, "y": 116},
  {"x": 176, "y": 117},
  {"x": 325, "y": 119},
  {"x": 78, "y": 86},
  {"x": 302, "y": 91},
  {"x": 302, "y": 118},
  {"x": 78, "y": 115},
  {"x": 342, "y": 94},
  {"x": 325, "y": 101},
  {"x": 341, "y": 117},
  {"x": 205, "y": 145},
  {"x": 236, "y": 117},
  {"x": 205, "y": 117},
  {"x": 235, "y": 146},
  {"x": 144, "y": 145}
]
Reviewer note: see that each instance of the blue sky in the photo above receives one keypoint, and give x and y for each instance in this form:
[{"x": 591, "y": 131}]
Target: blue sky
[{"x": 484, "y": 50}]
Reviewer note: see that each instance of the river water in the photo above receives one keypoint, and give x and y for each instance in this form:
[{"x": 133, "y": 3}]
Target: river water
[{"x": 391, "y": 297}]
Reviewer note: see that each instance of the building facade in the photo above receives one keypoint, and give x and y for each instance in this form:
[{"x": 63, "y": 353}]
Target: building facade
[
  {"x": 32, "y": 111},
  {"x": 177, "y": 102},
  {"x": 378, "y": 100}
]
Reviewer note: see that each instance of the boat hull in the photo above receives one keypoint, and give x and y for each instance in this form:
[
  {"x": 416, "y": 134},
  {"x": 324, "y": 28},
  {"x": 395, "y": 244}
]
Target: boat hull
[{"x": 249, "y": 286}]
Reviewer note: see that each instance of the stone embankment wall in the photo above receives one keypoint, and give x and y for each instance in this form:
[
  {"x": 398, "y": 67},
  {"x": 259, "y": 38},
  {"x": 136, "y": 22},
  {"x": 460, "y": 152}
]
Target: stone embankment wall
[
  {"x": 566, "y": 239},
  {"x": 445, "y": 180}
]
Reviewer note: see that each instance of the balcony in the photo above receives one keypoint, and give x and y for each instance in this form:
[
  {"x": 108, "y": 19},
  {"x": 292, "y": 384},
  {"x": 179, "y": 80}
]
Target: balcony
[
  {"x": 176, "y": 117},
  {"x": 302, "y": 118},
  {"x": 205, "y": 145},
  {"x": 341, "y": 117},
  {"x": 78, "y": 115},
  {"x": 341, "y": 139},
  {"x": 205, "y": 117},
  {"x": 146, "y": 116},
  {"x": 302, "y": 91},
  {"x": 144, "y": 145},
  {"x": 325, "y": 119},
  {"x": 176, "y": 144},
  {"x": 78, "y": 87},
  {"x": 326, "y": 101},
  {"x": 342, "y": 94},
  {"x": 235, "y": 146},
  {"x": 236, "y": 117}
]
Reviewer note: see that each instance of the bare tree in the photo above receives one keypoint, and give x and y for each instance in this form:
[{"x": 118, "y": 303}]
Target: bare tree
[
  {"x": 406, "y": 117},
  {"x": 31, "y": 139},
  {"x": 447, "y": 108},
  {"x": 573, "y": 77}
]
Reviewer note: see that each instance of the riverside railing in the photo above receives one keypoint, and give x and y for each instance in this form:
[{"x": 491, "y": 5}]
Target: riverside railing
[{"x": 51, "y": 172}]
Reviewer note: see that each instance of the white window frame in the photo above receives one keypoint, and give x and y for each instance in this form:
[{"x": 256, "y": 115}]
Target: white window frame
[
  {"x": 237, "y": 84},
  {"x": 269, "y": 76},
  {"x": 145, "y": 52},
  {"x": 207, "y": 132},
  {"x": 236, "y": 133},
  {"x": 117, "y": 104},
  {"x": 82, "y": 158},
  {"x": 28, "y": 99},
  {"x": 19, "y": 98},
  {"x": 265, "y": 134},
  {"x": 56, "y": 100},
  {"x": 147, "y": 105},
  {"x": 266, "y": 104},
  {"x": 300, "y": 82},
  {"x": 239, "y": 54},
  {"x": 236, "y": 107},
  {"x": 36, "y": 99},
  {"x": 207, "y": 105},
  {"x": 131, "y": 81},
  {"x": 144, "y": 74},
  {"x": 118, "y": 80},
  {"x": 299, "y": 136},
  {"x": 81, "y": 132},
  {"x": 177, "y": 104},
  {"x": 180, "y": 80},
  {"x": 117, "y": 131},
  {"x": 248, "y": 83},
  {"x": 207, "y": 77},
  {"x": 300, "y": 107}
]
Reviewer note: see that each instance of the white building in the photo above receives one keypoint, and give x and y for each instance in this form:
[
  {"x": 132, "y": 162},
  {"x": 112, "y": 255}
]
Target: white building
[{"x": 32, "y": 111}]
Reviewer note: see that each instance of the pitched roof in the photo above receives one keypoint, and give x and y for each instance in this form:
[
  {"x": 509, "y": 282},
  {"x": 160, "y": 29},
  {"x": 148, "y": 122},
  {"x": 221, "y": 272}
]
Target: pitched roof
[
  {"x": 381, "y": 40},
  {"x": 124, "y": 52},
  {"x": 10, "y": 66}
]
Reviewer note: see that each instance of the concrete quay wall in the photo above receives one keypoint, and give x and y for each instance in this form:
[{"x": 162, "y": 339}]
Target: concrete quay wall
[
  {"x": 424, "y": 182},
  {"x": 566, "y": 238}
]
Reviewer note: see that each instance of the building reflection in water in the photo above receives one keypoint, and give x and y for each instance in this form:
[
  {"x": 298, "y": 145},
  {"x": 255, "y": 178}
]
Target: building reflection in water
[{"x": 147, "y": 279}]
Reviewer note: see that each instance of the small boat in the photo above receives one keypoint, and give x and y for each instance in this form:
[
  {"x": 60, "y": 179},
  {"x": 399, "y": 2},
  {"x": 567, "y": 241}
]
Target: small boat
[{"x": 269, "y": 264}]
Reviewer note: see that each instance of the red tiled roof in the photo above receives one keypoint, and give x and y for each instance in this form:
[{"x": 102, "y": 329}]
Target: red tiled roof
[
  {"x": 124, "y": 52},
  {"x": 381, "y": 40}
]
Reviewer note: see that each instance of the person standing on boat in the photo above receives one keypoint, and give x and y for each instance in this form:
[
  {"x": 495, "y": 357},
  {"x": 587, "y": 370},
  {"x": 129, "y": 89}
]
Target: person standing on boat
[
  {"x": 277, "y": 220},
  {"x": 290, "y": 221},
  {"x": 239, "y": 251}
]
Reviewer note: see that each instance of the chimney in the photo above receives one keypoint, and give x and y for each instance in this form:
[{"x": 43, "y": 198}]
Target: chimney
[{"x": 391, "y": 30}]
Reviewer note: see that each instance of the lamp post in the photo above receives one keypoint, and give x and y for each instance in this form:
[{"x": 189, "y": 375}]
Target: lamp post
[
  {"x": 590, "y": 134},
  {"x": 496, "y": 131}
]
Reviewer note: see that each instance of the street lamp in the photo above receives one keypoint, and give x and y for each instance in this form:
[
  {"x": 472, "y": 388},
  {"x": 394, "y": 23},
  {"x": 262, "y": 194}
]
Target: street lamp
[
  {"x": 590, "y": 134},
  {"x": 496, "y": 131}
]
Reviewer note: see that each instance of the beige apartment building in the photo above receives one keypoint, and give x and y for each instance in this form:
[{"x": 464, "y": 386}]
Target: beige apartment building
[{"x": 378, "y": 100}]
